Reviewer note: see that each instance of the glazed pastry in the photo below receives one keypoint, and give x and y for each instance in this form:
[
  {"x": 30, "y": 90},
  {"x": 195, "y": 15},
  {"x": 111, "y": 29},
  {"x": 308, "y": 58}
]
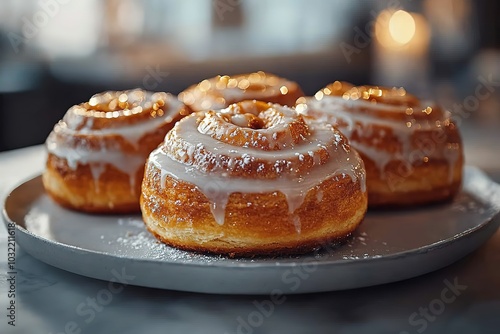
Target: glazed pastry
[
  {"x": 221, "y": 91},
  {"x": 411, "y": 149},
  {"x": 252, "y": 179},
  {"x": 96, "y": 153}
]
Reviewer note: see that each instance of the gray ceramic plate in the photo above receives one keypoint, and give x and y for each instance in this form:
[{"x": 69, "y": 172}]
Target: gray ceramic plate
[{"x": 388, "y": 246}]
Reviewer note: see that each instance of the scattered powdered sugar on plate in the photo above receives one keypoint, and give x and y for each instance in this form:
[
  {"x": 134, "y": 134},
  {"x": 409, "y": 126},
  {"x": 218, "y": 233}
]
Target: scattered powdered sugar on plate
[
  {"x": 131, "y": 221},
  {"x": 147, "y": 244},
  {"x": 139, "y": 241},
  {"x": 136, "y": 240}
]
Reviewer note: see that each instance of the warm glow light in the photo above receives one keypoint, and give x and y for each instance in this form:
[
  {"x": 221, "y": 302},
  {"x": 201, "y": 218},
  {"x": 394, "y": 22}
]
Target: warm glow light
[
  {"x": 402, "y": 31},
  {"x": 402, "y": 26}
]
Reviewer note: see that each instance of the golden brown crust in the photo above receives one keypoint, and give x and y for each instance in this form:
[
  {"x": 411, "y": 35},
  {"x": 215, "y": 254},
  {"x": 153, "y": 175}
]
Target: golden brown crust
[
  {"x": 403, "y": 184},
  {"x": 221, "y": 91},
  {"x": 219, "y": 185},
  {"x": 179, "y": 215},
  {"x": 77, "y": 189},
  {"x": 412, "y": 153}
]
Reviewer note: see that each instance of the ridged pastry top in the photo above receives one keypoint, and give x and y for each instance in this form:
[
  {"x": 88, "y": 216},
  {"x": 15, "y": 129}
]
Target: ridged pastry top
[
  {"x": 109, "y": 127},
  {"x": 254, "y": 147},
  {"x": 384, "y": 123},
  {"x": 374, "y": 94},
  {"x": 223, "y": 90}
]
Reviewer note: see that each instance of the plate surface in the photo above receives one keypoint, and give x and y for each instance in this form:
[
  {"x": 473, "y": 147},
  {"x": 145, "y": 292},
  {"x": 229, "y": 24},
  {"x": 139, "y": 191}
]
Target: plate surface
[{"x": 387, "y": 247}]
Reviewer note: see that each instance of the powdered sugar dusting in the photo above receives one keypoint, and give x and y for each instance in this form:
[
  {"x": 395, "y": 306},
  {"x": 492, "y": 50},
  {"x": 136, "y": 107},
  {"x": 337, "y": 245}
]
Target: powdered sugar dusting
[{"x": 145, "y": 243}]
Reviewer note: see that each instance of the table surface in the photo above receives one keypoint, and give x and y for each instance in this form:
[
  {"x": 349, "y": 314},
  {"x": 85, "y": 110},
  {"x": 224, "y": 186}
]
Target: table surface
[{"x": 50, "y": 300}]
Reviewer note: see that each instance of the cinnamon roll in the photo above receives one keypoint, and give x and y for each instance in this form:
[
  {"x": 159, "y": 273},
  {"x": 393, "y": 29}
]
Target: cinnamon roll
[
  {"x": 97, "y": 152},
  {"x": 223, "y": 90},
  {"x": 252, "y": 179},
  {"x": 411, "y": 149}
]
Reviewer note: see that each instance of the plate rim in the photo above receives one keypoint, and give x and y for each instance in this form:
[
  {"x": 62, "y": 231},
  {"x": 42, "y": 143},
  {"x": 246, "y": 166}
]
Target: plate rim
[{"x": 231, "y": 263}]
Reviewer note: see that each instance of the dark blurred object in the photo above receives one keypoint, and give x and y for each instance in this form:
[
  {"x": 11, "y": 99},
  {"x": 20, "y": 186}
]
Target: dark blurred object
[
  {"x": 455, "y": 35},
  {"x": 22, "y": 105},
  {"x": 489, "y": 23}
]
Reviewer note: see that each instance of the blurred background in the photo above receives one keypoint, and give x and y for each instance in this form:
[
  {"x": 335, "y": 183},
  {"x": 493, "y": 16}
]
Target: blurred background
[{"x": 56, "y": 53}]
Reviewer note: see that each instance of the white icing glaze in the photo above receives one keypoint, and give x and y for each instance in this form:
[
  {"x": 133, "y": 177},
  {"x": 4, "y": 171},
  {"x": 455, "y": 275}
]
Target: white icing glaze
[
  {"x": 96, "y": 159},
  {"x": 132, "y": 133},
  {"x": 217, "y": 185},
  {"x": 240, "y": 120},
  {"x": 334, "y": 109},
  {"x": 77, "y": 122}
]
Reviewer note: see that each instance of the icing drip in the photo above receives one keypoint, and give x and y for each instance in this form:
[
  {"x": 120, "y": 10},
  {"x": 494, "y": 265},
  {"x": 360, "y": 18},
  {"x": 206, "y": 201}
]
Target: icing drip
[
  {"x": 296, "y": 223},
  {"x": 97, "y": 169},
  {"x": 291, "y": 170},
  {"x": 319, "y": 196}
]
